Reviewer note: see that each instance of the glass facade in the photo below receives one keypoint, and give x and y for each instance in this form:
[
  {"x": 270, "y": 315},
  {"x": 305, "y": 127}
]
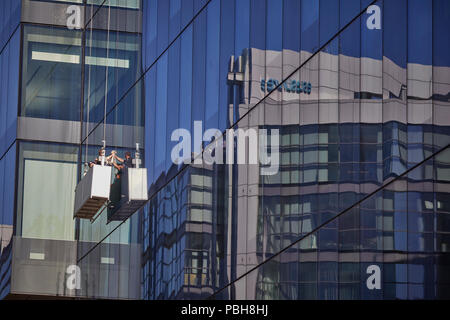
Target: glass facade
[
  {"x": 10, "y": 13},
  {"x": 56, "y": 81},
  {"x": 391, "y": 228},
  {"x": 41, "y": 217},
  {"x": 9, "y": 63},
  {"x": 9, "y": 96},
  {"x": 358, "y": 91}
]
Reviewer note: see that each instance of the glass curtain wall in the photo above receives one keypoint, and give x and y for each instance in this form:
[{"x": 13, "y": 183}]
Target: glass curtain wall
[
  {"x": 7, "y": 187},
  {"x": 9, "y": 97},
  {"x": 49, "y": 114},
  {"x": 9, "y": 89},
  {"x": 128, "y": 4},
  {"x": 109, "y": 251},
  {"x": 113, "y": 105},
  {"x": 43, "y": 116},
  {"x": 59, "y": 66},
  {"x": 44, "y": 206},
  {"x": 69, "y": 77},
  {"x": 356, "y": 103}
]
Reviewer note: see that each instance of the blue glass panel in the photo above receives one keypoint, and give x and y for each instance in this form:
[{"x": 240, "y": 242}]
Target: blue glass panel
[
  {"x": 2, "y": 186},
  {"x": 174, "y": 18},
  {"x": 242, "y": 29},
  {"x": 150, "y": 30},
  {"x": 161, "y": 114},
  {"x": 186, "y": 79},
  {"x": 198, "y": 73},
  {"x": 187, "y": 11},
  {"x": 124, "y": 68},
  {"x": 163, "y": 25},
  {"x": 10, "y": 17},
  {"x": 291, "y": 25},
  {"x": 150, "y": 123},
  {"x": 4, "y": 56},
  {"x": 227, "y": 31},
  {"x": 9, "y": 186}
]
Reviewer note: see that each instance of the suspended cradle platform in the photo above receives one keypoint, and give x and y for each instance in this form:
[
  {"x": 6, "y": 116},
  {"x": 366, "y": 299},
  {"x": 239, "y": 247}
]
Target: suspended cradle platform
[
  {"x": 134, "y": 194},
  {"x": 92, "y": 192}
]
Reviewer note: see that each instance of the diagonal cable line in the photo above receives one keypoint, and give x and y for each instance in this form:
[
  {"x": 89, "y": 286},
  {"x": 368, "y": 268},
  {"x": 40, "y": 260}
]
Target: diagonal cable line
[
  {"x": 184, "y": 167},
  {"x": 331, "y": 220}
]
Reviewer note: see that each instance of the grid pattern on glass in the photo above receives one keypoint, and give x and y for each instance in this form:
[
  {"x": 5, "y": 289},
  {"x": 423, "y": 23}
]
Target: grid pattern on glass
[{"x": 375, "y": 253}]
